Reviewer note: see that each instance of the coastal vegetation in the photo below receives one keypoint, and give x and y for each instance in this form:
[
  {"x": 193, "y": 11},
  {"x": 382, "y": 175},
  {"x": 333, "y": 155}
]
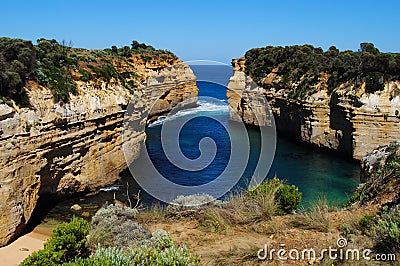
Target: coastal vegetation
[
  {"x": 115, "y": 236},
  {"x": 270, "y": 198},
  {"x": 383, "y": 177},
  {"x": 381, "y": 188},
  {"x": 67, "y": 242},
  {"x": 70, "y": 246},
  {"x": 59, "y": 66},
  {"x": 303, "y": 67},
  {"x": 120, "y": 235}
]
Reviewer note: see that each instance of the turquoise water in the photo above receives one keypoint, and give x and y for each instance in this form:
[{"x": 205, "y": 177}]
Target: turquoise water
[{"x": 314, "y": 172}]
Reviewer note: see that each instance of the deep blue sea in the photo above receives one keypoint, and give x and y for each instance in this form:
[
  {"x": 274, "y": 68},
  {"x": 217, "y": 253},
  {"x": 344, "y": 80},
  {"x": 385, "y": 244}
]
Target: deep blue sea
[{"x": 314, "y": 172}]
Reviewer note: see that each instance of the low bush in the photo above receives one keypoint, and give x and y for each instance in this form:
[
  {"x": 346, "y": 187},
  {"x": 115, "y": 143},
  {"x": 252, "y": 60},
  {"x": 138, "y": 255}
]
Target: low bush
[
  {"x": 387, "y": 229},
  {"x": 305, "y": 69},
  {"x": 366, "y": 224},
  {"x": 67, "y": 242},
  {"x": 86, "y": 76},
  {"x": 161, "y": 251},
  {"x": 286, "y": 197},
  {"x": 113, "y": 226}
]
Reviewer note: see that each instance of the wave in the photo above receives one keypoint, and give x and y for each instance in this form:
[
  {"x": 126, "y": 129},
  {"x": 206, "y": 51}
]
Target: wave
[
  {"x": 111, "y": 188},
  {"x": 202, "y": 108}
]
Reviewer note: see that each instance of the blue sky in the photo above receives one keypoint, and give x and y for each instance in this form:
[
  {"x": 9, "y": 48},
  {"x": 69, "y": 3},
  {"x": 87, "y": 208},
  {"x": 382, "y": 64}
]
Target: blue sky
[{"x": 210, "y": 30}]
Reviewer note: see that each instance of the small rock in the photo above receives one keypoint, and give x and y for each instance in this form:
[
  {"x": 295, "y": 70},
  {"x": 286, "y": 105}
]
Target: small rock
[
  {"x": 76, "y": 207},
  {"x": 311, "y": 262},
  {"x": 85, "y": 214},
  {"x": 9, "y": 146},
  {"x": 119, "y": 203},
  {"x": 24, "y": 249},
  {"x": 282, "y": 245}
]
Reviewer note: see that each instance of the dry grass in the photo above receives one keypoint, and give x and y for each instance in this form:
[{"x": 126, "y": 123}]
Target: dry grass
[
  {"x": 215, "y": 220},
  {"x": 317, "y": 218},
  {"x": 236, "y": 256},
  {"x": 272, "y": 227},
  {"x": 240, "y": 209},
  {"x": 155, "y": 214}
]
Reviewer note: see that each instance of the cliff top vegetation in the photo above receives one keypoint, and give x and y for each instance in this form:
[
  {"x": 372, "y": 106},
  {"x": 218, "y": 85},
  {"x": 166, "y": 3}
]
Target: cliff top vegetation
[
  {"x": 302, "y": 67},
  {"x": 58, "y": 66}
]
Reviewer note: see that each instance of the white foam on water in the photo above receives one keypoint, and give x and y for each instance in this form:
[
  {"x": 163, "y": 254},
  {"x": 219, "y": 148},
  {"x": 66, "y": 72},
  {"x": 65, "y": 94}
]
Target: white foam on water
[
  {"x": 203, "y": 108},
  {"x": 111, "y": 188}
]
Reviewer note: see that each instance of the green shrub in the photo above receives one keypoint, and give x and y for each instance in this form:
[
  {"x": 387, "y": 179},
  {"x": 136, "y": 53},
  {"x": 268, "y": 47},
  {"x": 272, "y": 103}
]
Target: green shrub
[
  {"x": 161, "y": 252},
  {"x": 93, "y": 261},
  {"x": 85, "y": 75},
  {"x": 67, "y": 242},
  {"x": 114, "y": 226},
  {"x": 170, "y": 256},
  {"x": 388, "y": 229},
  {"x": 366, "y": 224},
  {"x": 103, "y": 257},
  {"x": 374, "y": 82},
  {"x": 288, "y": 198},
  {"x": 268, "y": 186},
  {"x": 108, "y": 71},
  {"x": 15, "y": 83}
]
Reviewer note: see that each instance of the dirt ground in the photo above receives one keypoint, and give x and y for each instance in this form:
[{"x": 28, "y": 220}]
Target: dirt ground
[
  {"x": 237, "y": 245},
  {"x": 240, "y": 245}
]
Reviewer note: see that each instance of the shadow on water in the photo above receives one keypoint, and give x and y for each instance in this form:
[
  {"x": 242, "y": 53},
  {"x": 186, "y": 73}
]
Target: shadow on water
[{"x": 52, "y": 210}]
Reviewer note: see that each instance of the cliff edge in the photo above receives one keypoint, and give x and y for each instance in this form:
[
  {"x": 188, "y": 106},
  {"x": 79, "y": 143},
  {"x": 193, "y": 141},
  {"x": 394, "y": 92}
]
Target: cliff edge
[
  {"x": 60, "y": 140},
  {"x": 347, "y": 102}
]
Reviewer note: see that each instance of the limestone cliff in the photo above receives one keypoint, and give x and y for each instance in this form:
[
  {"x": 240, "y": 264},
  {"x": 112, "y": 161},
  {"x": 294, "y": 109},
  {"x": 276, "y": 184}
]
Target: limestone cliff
[
  {"x": 380, "y": 177},
  {"x": 346, "y": 119},
  {"x": 65, "y": 148}
]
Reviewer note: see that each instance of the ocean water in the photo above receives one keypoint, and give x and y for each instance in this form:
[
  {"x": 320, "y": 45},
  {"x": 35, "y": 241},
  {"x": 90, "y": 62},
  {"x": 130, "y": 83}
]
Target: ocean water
[{"x": 314, "y": 172}]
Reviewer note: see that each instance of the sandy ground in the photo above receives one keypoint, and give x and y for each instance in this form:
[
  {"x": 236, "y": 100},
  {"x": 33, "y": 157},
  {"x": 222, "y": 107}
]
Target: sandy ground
[{"x": 17, "y": 251}]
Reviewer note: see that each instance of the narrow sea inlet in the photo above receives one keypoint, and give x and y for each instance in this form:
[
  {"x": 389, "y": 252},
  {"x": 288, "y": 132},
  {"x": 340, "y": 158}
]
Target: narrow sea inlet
[{"x": 315, "y": 173}]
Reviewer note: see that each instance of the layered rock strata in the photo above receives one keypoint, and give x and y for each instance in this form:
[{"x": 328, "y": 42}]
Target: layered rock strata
[
  {"x": 62, "y": 149},
  {"x": 348, "y": 121}
]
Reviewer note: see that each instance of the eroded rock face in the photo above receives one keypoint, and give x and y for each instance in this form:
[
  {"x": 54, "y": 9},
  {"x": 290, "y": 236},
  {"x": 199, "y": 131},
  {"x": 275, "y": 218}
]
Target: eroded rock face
[
  {"x": 64, "y": 149},
  {"x": 248, "y": 101},
  {"x": 349, "y": 121},
  {"x": 380, "y": 176}
]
